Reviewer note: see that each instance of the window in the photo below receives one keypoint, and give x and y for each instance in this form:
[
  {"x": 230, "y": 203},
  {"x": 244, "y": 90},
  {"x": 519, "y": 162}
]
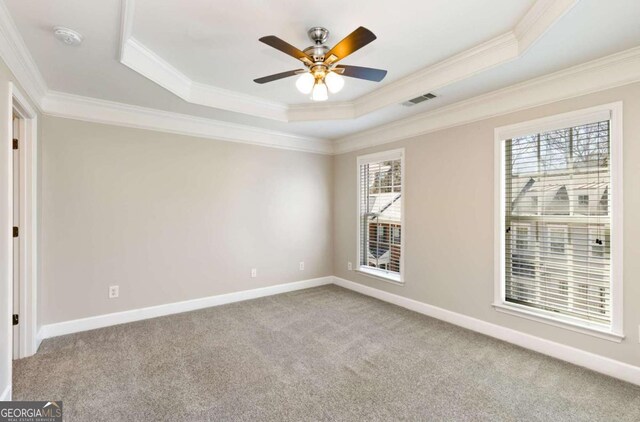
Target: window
[
  {"x": 380, "y": 203},
  {"x": 583, "y": 200},
  {"x": 396, "y": 235},
  {"x": 558, "y": 255}
]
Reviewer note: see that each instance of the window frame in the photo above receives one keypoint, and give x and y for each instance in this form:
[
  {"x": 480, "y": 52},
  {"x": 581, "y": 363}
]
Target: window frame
[
  {"x": 385, "y": 275},
  {"x": 613, "y": 113}
]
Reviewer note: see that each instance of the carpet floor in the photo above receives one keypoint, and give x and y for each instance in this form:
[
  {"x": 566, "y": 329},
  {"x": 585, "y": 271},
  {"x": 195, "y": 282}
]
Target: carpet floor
[{"x": 319, "y": 354}]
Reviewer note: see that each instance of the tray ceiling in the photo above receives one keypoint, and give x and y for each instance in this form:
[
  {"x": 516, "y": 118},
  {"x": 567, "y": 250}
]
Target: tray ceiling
[
  {"x": 200, "y": 57},
  {"x": 214, "y": 44}
]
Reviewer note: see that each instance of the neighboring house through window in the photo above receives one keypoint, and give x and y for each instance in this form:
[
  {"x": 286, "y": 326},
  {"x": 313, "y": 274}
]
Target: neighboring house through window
[
  {"x": 380, "y": 202},
  {"x": 559, "y": 246}
]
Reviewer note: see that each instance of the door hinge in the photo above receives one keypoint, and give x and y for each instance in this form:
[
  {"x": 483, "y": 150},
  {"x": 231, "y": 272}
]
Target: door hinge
[
  {"x": 15, "y": 231},
  {"x": 15, "y": 144},
  {"x": 16, "y": 319}
]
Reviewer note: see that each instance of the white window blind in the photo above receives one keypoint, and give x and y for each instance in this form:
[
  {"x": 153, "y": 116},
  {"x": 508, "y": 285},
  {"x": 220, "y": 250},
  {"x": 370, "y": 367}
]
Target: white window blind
[
  {"x": 380, "y": 213},
  {"x": 558, "y": 222}
]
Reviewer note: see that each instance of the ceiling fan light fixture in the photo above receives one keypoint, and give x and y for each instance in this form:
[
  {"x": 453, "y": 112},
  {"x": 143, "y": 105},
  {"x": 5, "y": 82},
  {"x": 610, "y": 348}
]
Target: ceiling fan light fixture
[
  {"x": 334, "y": 82},
  {"x": 320, "y": 92},
  {"x": 305, "y": 83},
  {"x": 320, "y": 76}
]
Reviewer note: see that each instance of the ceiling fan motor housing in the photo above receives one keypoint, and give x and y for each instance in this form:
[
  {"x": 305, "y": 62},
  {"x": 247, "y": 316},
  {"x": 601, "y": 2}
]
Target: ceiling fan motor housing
[
  {"x": 317, "y": 52},
  {"x": 319, "y": 36}
]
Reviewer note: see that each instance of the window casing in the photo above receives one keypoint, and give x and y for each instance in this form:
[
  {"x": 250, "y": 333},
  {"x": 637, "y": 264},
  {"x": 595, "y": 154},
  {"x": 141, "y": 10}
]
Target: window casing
[
  {"x": 558, "y": 246},
  {"x": 380, "y": 215}
]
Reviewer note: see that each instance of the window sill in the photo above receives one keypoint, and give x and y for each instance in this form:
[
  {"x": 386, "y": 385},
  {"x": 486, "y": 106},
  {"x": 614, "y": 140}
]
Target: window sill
[
  {"x": 541, "y": 316},
  {"x": 381, "y": 275}
]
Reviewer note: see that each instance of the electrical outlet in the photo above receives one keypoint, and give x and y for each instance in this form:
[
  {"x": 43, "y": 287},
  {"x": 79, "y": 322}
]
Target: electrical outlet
[
  {"x": 114, "y": 291},
  {"x": 254, "y": 272},
  {"x": 301, "y": 265},
  {"x": 350, "y": 266}
]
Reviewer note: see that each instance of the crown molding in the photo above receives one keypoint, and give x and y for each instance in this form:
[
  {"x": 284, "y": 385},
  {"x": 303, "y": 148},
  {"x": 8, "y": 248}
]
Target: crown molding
[
  {"x": 139, "y": 58},
  {"x": 608, "y": 72},
  {"x": 144, "y": 61},
  {"x": 504, "y": 48},
  {"x": 542, "y": 15},
  {"x": 18, "y": 59},
  {"x": 76, "y": 107},
  {"x": 615, "y": 70},
  {"x": 15, "y": 54},
  {"x": 499, "y": 50},
  {"x": 509, "y": 46},
  {"x": 343, "y": 110},
  {"x": 126, "y": 24}
]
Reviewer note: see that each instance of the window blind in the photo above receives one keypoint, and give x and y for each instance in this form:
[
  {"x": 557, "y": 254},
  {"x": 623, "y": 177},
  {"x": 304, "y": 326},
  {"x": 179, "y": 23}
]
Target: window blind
[
  {"x": 381, "y": 215},
  {"x": 558, "y": 224}
]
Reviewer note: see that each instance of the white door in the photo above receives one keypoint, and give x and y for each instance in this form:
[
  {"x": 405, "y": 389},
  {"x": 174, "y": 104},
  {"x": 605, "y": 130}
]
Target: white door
[{"x": 16, "y": 240}]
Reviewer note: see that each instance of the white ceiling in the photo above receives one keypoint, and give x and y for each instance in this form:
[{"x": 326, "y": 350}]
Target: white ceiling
[{"x": 217, "y": 43}]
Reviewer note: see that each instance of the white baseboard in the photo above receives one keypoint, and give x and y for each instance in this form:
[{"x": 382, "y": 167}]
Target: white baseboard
[
  {"x": 6, "y": 394},
  {"x": 100, "y": 321},
  {"x": 569, "y": 354},
  {"x": 579, "y": 357}
]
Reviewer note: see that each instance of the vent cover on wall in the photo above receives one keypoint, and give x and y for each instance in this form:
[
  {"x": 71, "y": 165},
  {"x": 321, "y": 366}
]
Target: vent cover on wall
[{"x": 418, "y": 100}]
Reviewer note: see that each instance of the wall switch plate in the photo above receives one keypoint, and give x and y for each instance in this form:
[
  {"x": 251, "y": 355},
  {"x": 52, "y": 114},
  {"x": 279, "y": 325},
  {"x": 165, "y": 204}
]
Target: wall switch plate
[
  {"x": 114, "y": 291},
  {"x": 301, "y": 265},
  {"x": 254, "y": 272},
  {"x": 350, "y": 266}
]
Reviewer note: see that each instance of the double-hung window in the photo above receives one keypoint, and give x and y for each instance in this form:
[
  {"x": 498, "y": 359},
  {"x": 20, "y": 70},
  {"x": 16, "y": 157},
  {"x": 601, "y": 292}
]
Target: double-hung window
[
  {"x": 558, "y": 256},
  {"x": 380, "y": 228}
]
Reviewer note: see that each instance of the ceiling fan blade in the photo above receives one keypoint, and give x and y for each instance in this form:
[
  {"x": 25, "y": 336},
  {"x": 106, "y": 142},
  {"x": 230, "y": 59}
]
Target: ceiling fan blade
[
  {"x": 359, "y": 72},
  {"x": 285, "y": 47},
  {"x": 277, "y": 76},
  {"x": 353, "y": 42}
]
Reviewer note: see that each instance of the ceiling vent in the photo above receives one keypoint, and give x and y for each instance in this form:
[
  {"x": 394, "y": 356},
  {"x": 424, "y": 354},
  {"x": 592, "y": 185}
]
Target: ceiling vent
[{"x": 418, "y": 100}]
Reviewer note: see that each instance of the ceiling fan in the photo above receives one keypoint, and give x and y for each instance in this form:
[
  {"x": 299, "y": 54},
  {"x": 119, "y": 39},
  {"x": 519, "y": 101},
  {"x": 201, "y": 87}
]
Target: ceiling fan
[{"x": 321, "y": 72}]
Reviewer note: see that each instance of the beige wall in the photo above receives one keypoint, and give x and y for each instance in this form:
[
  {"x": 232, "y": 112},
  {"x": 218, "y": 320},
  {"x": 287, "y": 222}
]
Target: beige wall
[
  {"x": 449, "y": 219},
  {"x": 171, "y": 218}
]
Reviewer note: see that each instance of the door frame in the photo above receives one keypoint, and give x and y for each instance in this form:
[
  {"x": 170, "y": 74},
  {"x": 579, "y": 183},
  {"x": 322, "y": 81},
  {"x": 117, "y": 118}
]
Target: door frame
[{"x": 28, "y": 220}]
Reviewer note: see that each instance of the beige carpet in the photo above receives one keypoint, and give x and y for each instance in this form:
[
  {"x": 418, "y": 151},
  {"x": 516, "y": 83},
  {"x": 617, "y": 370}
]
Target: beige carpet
[{"x": 319, "y": 354}]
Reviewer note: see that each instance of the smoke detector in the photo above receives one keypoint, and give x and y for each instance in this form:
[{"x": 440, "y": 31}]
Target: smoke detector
[{"x": 67, "y": 36}]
